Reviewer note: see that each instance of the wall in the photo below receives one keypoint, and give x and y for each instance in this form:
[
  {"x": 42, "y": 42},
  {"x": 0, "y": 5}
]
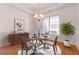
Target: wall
[
  {"x": 77, "y": 27},
  {"x": 66, "y": 14},
  {"x": 7, "y": 14}
]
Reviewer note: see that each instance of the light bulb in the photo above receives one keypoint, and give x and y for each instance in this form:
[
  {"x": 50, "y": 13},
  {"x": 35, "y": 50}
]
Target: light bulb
[
  {"x": 36, "y": 15},
  {"x": 41, "y": 15}
]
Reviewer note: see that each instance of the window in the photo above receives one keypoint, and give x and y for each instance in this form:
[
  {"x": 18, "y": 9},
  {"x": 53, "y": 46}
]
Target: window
[
  {"x": 51, "y": 25},
  {"x": 46, "y": 25}
]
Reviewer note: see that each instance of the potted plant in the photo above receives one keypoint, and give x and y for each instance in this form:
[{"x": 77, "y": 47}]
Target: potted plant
[{"x": 67, "y": 29}]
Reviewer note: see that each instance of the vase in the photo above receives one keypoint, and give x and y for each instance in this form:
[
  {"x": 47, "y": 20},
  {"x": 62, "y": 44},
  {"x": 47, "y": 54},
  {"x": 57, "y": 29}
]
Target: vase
[{"x": 66, "y": 43}]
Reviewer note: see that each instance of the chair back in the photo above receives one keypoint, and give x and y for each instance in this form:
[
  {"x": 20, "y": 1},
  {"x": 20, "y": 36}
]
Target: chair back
[
  {"x": 55, "y": 42},
  {"x": 23, "y": 41}
]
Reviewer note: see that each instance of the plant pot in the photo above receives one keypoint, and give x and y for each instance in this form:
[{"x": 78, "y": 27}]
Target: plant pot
[{"x": 66, "y": 43}]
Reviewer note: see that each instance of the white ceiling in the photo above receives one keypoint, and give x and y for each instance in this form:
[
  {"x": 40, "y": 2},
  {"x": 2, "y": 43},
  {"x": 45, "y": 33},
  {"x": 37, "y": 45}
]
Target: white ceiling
[
  {"x": 42, "y": 7},
  {"x": 38, "y": 7}
]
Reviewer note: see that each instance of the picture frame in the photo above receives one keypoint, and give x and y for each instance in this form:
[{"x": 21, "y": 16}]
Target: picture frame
[{"x": 18, "y": 25}]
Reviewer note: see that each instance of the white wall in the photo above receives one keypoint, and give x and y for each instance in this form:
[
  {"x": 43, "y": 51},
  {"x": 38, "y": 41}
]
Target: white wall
[
  {"x": 7, "y": 14},
  {"x": 77, "y": 26},
  {"x": 68, "y": 13}
]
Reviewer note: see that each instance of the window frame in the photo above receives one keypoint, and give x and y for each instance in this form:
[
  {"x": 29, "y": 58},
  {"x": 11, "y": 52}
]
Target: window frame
[{"x": 51, "y": 25}]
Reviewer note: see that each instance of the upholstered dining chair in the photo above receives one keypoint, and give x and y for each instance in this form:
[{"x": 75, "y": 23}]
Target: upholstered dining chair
[{"x": 26, "y": 44}]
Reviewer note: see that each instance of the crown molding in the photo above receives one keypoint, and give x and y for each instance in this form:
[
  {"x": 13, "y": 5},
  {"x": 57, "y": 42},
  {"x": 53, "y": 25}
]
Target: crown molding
[
  {"x": 22, "y": 8},
  {"x": 50, "y": 9}
]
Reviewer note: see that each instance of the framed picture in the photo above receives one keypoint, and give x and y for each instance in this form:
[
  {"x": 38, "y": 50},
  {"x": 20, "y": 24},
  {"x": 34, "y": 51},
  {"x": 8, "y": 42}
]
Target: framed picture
[{"x": 18, "y": 25}]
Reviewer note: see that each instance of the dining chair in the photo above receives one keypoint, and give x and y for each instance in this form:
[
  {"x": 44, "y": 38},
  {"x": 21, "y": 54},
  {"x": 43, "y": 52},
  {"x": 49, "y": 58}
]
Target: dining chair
[
  {"x": 48, "y": 44},
  {"x": 26, "y": 44},
  {"x": 55, "y": 45}
]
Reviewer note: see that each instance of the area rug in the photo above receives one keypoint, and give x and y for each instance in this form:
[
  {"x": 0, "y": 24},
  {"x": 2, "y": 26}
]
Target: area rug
[{"x": 41, "y": 51}]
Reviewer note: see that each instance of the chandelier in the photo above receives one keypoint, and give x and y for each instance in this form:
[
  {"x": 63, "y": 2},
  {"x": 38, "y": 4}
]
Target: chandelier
[{"x": 38, "y": 15}]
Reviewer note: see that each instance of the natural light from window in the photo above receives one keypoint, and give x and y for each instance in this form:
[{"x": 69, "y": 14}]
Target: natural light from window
[{"x": 51, "y": 25}]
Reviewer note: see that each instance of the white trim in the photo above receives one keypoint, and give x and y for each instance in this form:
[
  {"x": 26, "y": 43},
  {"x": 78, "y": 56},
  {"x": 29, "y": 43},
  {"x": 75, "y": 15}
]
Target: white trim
[
  {"x": 22, "y": 8},
  {"x": 3, "y": 45},
  {"x": 54, "y": 8}
]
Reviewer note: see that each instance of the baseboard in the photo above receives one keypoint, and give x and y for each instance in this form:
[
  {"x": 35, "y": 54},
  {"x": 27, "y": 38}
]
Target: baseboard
[{"x": 3, "y": 45}]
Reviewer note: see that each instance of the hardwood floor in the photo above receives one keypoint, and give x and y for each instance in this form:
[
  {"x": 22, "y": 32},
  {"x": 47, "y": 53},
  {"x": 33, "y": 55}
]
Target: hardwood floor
[
  {"x": 12, "y": 49},
  {"x": 72, "y": 50}
]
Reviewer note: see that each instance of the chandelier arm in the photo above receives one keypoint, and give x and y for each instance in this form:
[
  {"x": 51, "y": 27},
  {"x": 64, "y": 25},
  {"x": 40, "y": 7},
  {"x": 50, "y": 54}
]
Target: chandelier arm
[{"x": 38, "y": 15}]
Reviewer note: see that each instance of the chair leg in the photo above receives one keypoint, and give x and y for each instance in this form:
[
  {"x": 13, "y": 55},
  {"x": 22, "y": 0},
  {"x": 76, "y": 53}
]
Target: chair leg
[
  {"x": 22, "y": 51},
  {"x": 44, "y": 46},
  {"x": 26, "y": 51},
  {"x": 35, "y": 47},
  {"x": 54, "y": 50}
]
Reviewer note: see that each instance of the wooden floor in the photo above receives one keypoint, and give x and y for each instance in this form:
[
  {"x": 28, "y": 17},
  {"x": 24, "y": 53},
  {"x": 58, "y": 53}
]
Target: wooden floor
[
  {"x": 72, "y": 50},
  {"x": 12, "y": 49}
]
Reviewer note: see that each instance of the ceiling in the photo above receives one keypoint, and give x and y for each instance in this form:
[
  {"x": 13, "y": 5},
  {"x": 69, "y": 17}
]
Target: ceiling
[{"x": 40, "y": 7}]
